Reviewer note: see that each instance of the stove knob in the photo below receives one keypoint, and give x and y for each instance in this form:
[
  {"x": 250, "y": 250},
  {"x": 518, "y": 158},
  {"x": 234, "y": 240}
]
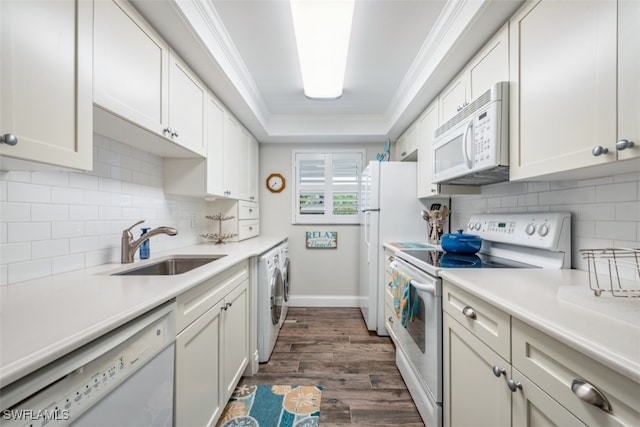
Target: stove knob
[
  {"x": 543, "y": 230},
  {"x": 470, "y": 225},
  {"x": 478, "y": 225},
  {"x": 531, "y": 228}
]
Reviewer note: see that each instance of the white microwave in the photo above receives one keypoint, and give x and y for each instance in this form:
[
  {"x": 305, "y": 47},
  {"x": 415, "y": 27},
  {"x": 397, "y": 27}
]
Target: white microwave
[{"x": 473, "y": 147}]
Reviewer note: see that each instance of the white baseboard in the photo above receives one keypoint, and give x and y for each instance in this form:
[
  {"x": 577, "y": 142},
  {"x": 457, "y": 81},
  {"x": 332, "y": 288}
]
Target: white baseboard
[{"x": 324, "y": 301}]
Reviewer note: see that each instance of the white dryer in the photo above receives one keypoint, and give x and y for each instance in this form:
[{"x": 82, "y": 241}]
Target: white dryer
[
  {"x": 286, "y": 275},
  {"x": 270, "y": 302}
]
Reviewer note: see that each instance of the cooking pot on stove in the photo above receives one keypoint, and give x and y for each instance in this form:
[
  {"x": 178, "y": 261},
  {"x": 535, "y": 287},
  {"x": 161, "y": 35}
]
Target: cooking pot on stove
[{"x": 461, "y": 243}]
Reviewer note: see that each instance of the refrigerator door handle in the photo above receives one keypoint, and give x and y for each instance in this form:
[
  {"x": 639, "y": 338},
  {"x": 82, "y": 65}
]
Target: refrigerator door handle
[{"x": 367, "y": 236}]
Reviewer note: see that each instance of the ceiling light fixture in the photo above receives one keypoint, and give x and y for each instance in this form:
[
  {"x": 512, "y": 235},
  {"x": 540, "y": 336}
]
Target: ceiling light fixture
[{"x": 322, "y": 29}]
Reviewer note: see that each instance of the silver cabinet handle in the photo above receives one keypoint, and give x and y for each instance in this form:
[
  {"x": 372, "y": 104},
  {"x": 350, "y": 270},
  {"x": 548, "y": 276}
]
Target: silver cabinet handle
[
  {"x": 514, "y": 385},
  {"x": 599, "y": 150},
  {"x": 390, "y": 319},
  {"x": 623, "y": 144},
  {"x": 591, "y": 395},
  {"x": 9, "y": 139},
  {"x": 497, "y": 371},
  {"x": 250, "y": 210},
  {"x": 404, "y": 153},
  {"x": 174, "y": 134},
  {"x": 469, "y": 312},
  {"x": 167, "y": 130}
]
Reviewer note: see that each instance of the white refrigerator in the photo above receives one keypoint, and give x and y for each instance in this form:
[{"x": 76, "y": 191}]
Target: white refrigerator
[{"x": 389, "y": 212}]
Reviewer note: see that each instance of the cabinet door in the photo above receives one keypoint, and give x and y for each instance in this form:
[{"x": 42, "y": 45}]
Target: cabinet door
[
  {"x": 231, "y": 153},
  {"x": 235, "y": 349},
  {"x": 46, "y": 81},
  {"x": 198, "y": 392},
  {"x": 563, "y": 91},
  {"x": 254, "y": 150},
  {"x": 187, "y": 97},
  {"x": 242, "y": 162},
  {"x": 131, "y": 66},
  {"x": 215, "y": 148},
  {"x": 628, "y": 80},
  {"x": 427, "y": 125},
  {"x": 453, "y": 98},
  {"x": 489, "y": 66},
  {"x": 473, "y": 395},
  {"x": 532, "y": 407}
]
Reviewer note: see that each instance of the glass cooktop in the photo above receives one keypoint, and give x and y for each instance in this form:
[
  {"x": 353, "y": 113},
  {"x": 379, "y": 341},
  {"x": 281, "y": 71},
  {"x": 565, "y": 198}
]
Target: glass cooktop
[{"x": 449, "y": 260}]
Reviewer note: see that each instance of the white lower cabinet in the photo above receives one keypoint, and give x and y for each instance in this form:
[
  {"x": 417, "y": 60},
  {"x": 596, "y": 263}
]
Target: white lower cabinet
[
  {"x": 212, "y": 347},
  {"x": 528, "y": 381},
  {"x": 474, "y": 396}
]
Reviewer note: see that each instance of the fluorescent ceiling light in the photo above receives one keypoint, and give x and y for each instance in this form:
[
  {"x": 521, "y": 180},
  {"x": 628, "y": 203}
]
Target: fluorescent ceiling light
[{"x": 322, "y": 29}]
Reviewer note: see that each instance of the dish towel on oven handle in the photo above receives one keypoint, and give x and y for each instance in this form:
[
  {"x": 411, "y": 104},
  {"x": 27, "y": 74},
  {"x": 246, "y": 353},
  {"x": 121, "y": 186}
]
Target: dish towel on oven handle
[{"x": 406, "y": 311}]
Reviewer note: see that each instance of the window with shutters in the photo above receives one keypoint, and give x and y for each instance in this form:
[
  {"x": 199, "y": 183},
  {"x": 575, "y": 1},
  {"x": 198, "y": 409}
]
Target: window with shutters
[{"x": 326, "y": 186}]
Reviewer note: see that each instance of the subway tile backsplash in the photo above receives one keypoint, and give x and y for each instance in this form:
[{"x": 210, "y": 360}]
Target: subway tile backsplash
[
  {"x": 53, "y": 222},
  {"x": 605, "y": 211}
]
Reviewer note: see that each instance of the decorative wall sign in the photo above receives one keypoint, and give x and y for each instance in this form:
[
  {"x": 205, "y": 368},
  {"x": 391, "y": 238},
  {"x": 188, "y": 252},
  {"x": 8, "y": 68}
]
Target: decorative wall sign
[{"x": 322, "y": 239}]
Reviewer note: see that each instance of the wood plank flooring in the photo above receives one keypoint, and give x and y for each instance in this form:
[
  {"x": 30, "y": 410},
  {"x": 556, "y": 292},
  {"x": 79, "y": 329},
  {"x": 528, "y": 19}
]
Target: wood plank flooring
[{"x": 332, "y": 347}]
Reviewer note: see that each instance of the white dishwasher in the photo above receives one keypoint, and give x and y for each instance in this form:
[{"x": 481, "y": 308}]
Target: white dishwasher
[{"x": 124, "y": 378}]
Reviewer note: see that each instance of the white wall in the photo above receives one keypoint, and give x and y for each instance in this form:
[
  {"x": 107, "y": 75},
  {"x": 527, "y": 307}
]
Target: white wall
[
  {"x": 605, "y": 211},
  {"x": 53, "y": 222},
  {"x": 318, "y": 276}
]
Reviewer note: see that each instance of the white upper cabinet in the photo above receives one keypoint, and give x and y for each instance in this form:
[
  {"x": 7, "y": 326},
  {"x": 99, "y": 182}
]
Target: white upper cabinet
[
  {"x": 572, "y": 98},
  {"x": 489, "y": 66},
  {"x": 187, "y": 110},
  {"x": 406, "y": 146},
  {"x": 45, "y": 82},
  {"x": 138, "y": 79},
  {"x": 131, "y": 66},
  {"x": 628, "y": 79},
  {"x": 427, "y": 125},
  {"x": 215, "y": 148},
  {"x": 231, "y": 155}
]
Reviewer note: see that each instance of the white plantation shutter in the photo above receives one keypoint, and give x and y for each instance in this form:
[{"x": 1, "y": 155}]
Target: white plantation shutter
[{"x": 327, "y": 187}]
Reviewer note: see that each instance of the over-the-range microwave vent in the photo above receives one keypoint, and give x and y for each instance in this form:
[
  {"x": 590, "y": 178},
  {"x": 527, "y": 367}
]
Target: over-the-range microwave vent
[
  {"x": 478, "y": 103},
  {"x": 491, "y": 176}
]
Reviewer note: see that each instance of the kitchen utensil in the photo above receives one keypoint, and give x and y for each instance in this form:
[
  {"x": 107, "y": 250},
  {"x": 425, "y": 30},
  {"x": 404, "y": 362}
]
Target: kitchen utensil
[{"x": 461, "y": 243}]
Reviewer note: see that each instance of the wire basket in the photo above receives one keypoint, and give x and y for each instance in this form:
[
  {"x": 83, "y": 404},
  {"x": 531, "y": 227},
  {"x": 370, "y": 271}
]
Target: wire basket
[{"x": 612, "y": 262}]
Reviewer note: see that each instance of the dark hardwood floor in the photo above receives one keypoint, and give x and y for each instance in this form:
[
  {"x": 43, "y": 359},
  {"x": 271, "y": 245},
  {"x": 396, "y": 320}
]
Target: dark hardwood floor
[{"x": 332, "y": 347}]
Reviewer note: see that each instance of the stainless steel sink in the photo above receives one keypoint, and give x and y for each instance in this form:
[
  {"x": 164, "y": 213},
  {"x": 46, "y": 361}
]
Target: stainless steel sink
[{"x": 170, "y": 266}]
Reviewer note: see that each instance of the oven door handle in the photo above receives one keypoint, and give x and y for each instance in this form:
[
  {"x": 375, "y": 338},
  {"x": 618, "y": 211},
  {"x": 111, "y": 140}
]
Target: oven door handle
[{"x": 425, "y": 287}]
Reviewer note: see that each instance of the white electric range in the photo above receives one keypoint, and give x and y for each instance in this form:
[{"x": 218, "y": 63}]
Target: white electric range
[{"x": 513, "y": 241}]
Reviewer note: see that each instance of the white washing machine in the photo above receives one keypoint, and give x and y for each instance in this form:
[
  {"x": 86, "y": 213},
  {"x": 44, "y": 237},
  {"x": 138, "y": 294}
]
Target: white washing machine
[
  {"x": 286, "y": 275},
  {"x": 270, "y": 302}
]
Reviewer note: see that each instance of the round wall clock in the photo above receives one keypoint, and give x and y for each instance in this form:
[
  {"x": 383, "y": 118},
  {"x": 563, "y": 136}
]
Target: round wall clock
[{"x": 275, "y": 183}]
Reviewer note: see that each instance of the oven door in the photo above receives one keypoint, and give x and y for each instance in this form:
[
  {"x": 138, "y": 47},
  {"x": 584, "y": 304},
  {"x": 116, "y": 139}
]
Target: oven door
[{"x": 421, "y": 340}]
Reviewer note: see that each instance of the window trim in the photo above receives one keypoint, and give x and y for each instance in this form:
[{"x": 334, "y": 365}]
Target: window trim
[{"x": 296, "y": 218}]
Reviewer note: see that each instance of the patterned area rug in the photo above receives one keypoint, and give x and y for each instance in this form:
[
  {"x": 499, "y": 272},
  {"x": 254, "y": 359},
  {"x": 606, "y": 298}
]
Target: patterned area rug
[{"x": 273, "y": 406}]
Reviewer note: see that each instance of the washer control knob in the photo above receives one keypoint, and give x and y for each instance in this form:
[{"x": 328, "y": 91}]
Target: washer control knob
[
  {"x": 530, "y": 229},
  {"x": 478, "y": 225},
  {"x": 543, "y": 230}
]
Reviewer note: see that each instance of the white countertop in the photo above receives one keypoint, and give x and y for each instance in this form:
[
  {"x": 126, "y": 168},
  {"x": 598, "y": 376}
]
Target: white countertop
[
  {"x": 44, "y": 319},
  {"x": 560, "y": 304}
]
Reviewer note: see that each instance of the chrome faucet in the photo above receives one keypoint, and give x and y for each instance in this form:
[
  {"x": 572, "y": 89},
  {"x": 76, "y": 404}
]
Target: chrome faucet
[{"x": 130, "y": 246}]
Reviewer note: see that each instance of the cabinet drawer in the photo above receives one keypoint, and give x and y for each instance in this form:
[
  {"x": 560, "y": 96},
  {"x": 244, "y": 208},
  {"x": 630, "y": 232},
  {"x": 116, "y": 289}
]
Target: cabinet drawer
[
  {"x": 488, "y": 323},
  {"x": 248, "y": 210},
  {"x": 248, "y": 229},
  {"x": 390, "y": 321},
  {"x": 554, "y": 366},
  {"x": 196, "y": 301}
]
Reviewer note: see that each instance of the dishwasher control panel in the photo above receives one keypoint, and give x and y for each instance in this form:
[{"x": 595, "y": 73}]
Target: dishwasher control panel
[{"x": 65, "y": 399}]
